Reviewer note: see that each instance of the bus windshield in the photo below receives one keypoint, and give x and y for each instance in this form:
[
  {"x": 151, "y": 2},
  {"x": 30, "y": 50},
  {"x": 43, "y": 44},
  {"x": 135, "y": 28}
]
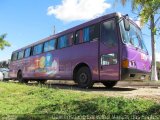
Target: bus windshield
[{"x": 133, "y": 36}]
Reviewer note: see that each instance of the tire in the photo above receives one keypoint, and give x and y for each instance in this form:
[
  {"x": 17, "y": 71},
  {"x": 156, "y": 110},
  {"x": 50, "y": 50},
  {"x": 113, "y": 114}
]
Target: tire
[
  {"x": 42, "y": 81},
  {"x": 20, "y": 78},
  {"x": 109, "y": 84},
  {"x": 84, "y": 78}
]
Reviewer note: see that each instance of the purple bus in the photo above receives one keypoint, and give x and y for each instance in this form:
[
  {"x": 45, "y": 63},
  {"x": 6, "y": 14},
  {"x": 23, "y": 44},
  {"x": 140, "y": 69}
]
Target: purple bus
[{"x": 107, "y": 49}]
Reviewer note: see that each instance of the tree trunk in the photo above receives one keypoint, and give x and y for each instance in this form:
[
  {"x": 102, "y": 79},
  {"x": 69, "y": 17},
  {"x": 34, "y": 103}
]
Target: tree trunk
[{"x": 153, "y": 43}]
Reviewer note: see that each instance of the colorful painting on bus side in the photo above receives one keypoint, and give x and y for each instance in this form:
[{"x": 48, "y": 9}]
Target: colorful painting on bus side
[{"x": 45, "y": 65}]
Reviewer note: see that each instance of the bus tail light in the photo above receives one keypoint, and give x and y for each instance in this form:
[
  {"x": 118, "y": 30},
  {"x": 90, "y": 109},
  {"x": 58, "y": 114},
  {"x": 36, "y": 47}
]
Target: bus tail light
[{"x": 125, "y": 63}]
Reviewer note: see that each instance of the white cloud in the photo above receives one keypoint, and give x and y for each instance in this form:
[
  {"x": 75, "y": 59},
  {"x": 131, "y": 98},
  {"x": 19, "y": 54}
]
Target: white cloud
[{"x": 72, "y": 10}]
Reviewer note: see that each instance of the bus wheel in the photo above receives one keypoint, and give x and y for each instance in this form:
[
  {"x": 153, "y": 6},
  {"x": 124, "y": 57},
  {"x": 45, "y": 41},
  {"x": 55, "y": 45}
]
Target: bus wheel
[
  {"x": 20, "y": 78},
  {"x": 84, "y": 78},
  {"x": 42, "y": 81},
  {"x": 109, "y": 84}
]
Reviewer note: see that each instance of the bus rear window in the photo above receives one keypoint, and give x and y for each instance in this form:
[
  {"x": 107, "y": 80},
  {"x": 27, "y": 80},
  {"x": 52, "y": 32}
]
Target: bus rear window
[{"x": 37, "y": 49}]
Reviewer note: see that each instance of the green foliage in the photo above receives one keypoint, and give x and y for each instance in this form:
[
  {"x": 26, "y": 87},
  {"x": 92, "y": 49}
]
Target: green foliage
[
  {"x": 145, "y": 9},
  {"x": 3, "y": 42},
  {"x": 31, "y": 102},
  {"x": 158, "y": 65}
]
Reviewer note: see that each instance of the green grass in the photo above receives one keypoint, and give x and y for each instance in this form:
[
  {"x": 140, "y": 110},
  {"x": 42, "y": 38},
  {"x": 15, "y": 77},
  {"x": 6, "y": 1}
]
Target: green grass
[{"x": 36, "y": 102}]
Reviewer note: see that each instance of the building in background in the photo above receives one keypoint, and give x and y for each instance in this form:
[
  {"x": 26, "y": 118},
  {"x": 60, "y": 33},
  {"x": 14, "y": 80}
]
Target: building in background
[
  {"x": 4, "y": 63},
  {"x": 4, "y": 69}
]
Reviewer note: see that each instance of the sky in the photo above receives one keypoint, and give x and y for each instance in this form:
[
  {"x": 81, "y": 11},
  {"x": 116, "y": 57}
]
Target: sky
[{"x": 27, "y": 21}]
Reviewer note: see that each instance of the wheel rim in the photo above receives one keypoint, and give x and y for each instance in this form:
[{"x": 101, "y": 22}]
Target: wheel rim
[{"x": 83, "y": 78}]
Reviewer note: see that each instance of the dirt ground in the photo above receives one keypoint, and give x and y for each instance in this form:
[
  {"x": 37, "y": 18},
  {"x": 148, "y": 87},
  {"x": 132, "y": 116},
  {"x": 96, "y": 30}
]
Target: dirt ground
[{"x": 147, "y": 90}]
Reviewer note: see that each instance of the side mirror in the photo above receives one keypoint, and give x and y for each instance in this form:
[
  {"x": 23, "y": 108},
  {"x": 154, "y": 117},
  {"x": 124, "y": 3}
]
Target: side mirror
[{"x": 126, "y": 25}]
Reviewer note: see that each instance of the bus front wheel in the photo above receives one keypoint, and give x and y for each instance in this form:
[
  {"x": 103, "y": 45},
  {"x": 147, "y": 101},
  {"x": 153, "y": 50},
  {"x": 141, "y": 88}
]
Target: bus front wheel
[
  {"x": 84, "y": 78},
  {"x": 20, "y": 78},
  {"x": 109, "y": 84}
]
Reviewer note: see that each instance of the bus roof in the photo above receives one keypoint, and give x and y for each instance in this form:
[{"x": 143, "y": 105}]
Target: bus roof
[{"x": 73, "y": 29}]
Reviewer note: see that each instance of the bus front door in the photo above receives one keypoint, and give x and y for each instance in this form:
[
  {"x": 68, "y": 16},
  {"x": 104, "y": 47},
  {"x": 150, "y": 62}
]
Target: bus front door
[{"x": 109, "y": 63}]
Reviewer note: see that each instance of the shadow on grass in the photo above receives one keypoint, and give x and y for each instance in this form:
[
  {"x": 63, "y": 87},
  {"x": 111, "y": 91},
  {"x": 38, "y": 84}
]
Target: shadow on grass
[
  {"x": 75, "y": 87},
  {"x": 92, "y": 108}
]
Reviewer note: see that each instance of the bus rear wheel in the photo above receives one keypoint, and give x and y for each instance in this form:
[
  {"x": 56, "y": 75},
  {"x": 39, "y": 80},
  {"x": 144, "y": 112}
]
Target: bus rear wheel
[
  {"x": 84, "y": 78},
  {"x": 109, "y": 84},
  {"x": 20, "y": 78},
  {"x": 42, "y": 81}
]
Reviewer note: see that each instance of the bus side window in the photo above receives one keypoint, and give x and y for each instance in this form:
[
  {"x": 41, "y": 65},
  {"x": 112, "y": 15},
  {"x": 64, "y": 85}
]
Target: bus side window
[
  {"x": 94, "y": 32},
  {"x": 27, "y": 52},
  {"x": 65, "y": 41},
  {"x": 14, "y": 56},
  {"x": 108, "y": 33},
  {"x": 37, "y": 49},
  {"x": 20, "y": 54},
  {"x": 70, "y": 38},
  {"x": 62, "y": 42},
  {"x": 82, "y": 36},
  {"x": 87, "y": 34},
  {"x": 79, "y": 35},
  {"x": 50, "y": 45}
]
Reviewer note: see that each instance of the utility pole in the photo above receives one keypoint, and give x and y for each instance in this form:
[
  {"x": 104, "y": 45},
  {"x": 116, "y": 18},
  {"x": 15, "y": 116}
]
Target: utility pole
[{"x": 54, "y": 30}]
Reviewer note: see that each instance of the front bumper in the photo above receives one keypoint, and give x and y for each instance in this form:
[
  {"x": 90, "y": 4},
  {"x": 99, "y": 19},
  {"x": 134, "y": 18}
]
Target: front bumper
[{"x": 134, "y": 74}]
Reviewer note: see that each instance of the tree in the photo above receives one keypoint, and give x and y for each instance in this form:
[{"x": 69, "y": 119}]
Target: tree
[
  {"x": 3, "y": 42},
  {"x": 147, "y": 10}
]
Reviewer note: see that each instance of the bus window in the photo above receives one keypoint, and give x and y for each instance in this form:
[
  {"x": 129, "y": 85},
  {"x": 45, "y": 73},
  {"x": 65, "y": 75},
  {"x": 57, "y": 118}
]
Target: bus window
[
  {"x": 94, "y": 32},
  {"x": 37, "y": 49},
  {"x": 109, "y": 59},
  {"x": 20, "y": 55},
  {"x": 108, "y": 36},
  {"x": 87, "y": 34},
  {"x": 49, "y": 45},
  {"x": 65, "y": 41},
  {"x": 27, "y": 52},
  {"x": 134, "y": 37},
  {"x": 79, "y": 37},
  {"x": 14, "y": 56}
]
